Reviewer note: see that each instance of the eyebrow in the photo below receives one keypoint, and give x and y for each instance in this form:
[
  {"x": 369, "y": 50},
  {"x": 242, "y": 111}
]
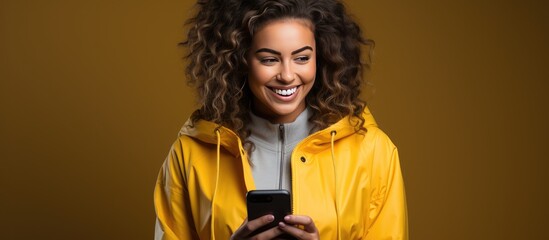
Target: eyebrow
[{"x": 268, "y": 50}]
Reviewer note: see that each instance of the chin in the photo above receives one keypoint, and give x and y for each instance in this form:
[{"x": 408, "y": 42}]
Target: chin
[
  {"x": 284, "y": 110},
  {"x": 281, "y": 112}
]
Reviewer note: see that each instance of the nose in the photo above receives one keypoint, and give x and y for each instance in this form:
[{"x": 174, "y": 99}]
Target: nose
[{"x": 287, "y": 73}]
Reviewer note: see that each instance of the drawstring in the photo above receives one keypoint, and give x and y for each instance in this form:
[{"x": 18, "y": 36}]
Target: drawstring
[
  {"x": 333, "y": 133},
  {"x": 216, "y": 183}
]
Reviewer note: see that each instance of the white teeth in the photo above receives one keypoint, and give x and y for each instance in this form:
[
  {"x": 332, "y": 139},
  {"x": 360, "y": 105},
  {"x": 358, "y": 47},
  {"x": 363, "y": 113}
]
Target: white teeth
[{"x": 287, "y": 92}]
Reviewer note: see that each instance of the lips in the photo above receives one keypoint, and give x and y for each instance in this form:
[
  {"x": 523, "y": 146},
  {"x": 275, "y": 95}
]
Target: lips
[{"x": 284, "y": 92}]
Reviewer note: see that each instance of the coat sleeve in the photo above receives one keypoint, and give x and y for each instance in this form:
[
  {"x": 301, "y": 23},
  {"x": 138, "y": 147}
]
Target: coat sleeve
[
  {"x": 171, "y": 199},
  {"x": 387, "y": 218}
]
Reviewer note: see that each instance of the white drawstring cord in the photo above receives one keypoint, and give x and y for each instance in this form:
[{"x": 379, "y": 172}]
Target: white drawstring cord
[
  {"x": 333, "y": 133},
  {"x": 212, "y": 224}
]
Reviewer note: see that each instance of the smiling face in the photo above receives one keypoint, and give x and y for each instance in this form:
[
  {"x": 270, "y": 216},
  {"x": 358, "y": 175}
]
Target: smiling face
[{"x": 282, "y": 69}]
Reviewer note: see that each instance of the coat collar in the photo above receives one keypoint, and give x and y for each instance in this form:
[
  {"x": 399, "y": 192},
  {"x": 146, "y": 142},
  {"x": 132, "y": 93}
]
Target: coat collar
[{"x": 205, "y": 131}]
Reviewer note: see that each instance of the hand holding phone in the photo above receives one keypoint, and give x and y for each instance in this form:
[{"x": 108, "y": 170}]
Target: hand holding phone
[{"x": 262, "y": 202}]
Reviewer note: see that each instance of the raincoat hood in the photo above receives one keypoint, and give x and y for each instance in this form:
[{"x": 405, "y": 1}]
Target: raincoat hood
[{"x": 205, "y": 131}]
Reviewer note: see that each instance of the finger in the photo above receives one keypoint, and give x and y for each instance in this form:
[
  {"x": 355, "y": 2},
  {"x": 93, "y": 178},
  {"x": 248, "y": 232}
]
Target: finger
[
  {"x": 294, "y": 231},
  {"x": 306, "y": 221},
  {"x": 270, "y": 233},
  {"x": 249, "y": 226}
]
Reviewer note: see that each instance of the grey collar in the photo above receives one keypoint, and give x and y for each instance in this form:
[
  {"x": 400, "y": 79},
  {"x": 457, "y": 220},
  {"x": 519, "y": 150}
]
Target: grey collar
[{"x": 265, "y": 133}]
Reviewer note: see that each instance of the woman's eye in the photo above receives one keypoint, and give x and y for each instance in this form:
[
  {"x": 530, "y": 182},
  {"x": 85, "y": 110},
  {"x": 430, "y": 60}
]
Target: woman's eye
[
  {"x": 268, "y": 61},
  {"x": 302, "y": 59}
]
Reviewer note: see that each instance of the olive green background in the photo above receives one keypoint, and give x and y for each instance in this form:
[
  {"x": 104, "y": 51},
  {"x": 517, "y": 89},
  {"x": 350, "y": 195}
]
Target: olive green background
[{"x": 92, "y": 94}]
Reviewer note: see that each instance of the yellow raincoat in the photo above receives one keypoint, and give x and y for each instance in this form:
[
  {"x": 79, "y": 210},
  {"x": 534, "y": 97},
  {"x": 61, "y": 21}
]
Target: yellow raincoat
[{"x": 349, "y": 183}]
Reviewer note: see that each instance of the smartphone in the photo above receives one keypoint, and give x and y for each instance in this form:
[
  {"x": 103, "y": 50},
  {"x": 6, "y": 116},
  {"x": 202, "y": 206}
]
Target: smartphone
[{"x": 262, "y": 202}]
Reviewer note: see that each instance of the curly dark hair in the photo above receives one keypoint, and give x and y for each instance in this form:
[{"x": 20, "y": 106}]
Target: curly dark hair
[{"x": 221, "y": 33}]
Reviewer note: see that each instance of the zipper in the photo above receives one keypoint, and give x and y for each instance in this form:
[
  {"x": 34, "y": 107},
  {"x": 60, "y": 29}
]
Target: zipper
[{"x": 282, "y": 143}]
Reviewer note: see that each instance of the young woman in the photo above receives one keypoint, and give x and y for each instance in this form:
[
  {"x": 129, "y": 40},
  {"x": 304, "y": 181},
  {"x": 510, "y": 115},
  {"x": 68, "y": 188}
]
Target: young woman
[{"x": 278, "y": 84}]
